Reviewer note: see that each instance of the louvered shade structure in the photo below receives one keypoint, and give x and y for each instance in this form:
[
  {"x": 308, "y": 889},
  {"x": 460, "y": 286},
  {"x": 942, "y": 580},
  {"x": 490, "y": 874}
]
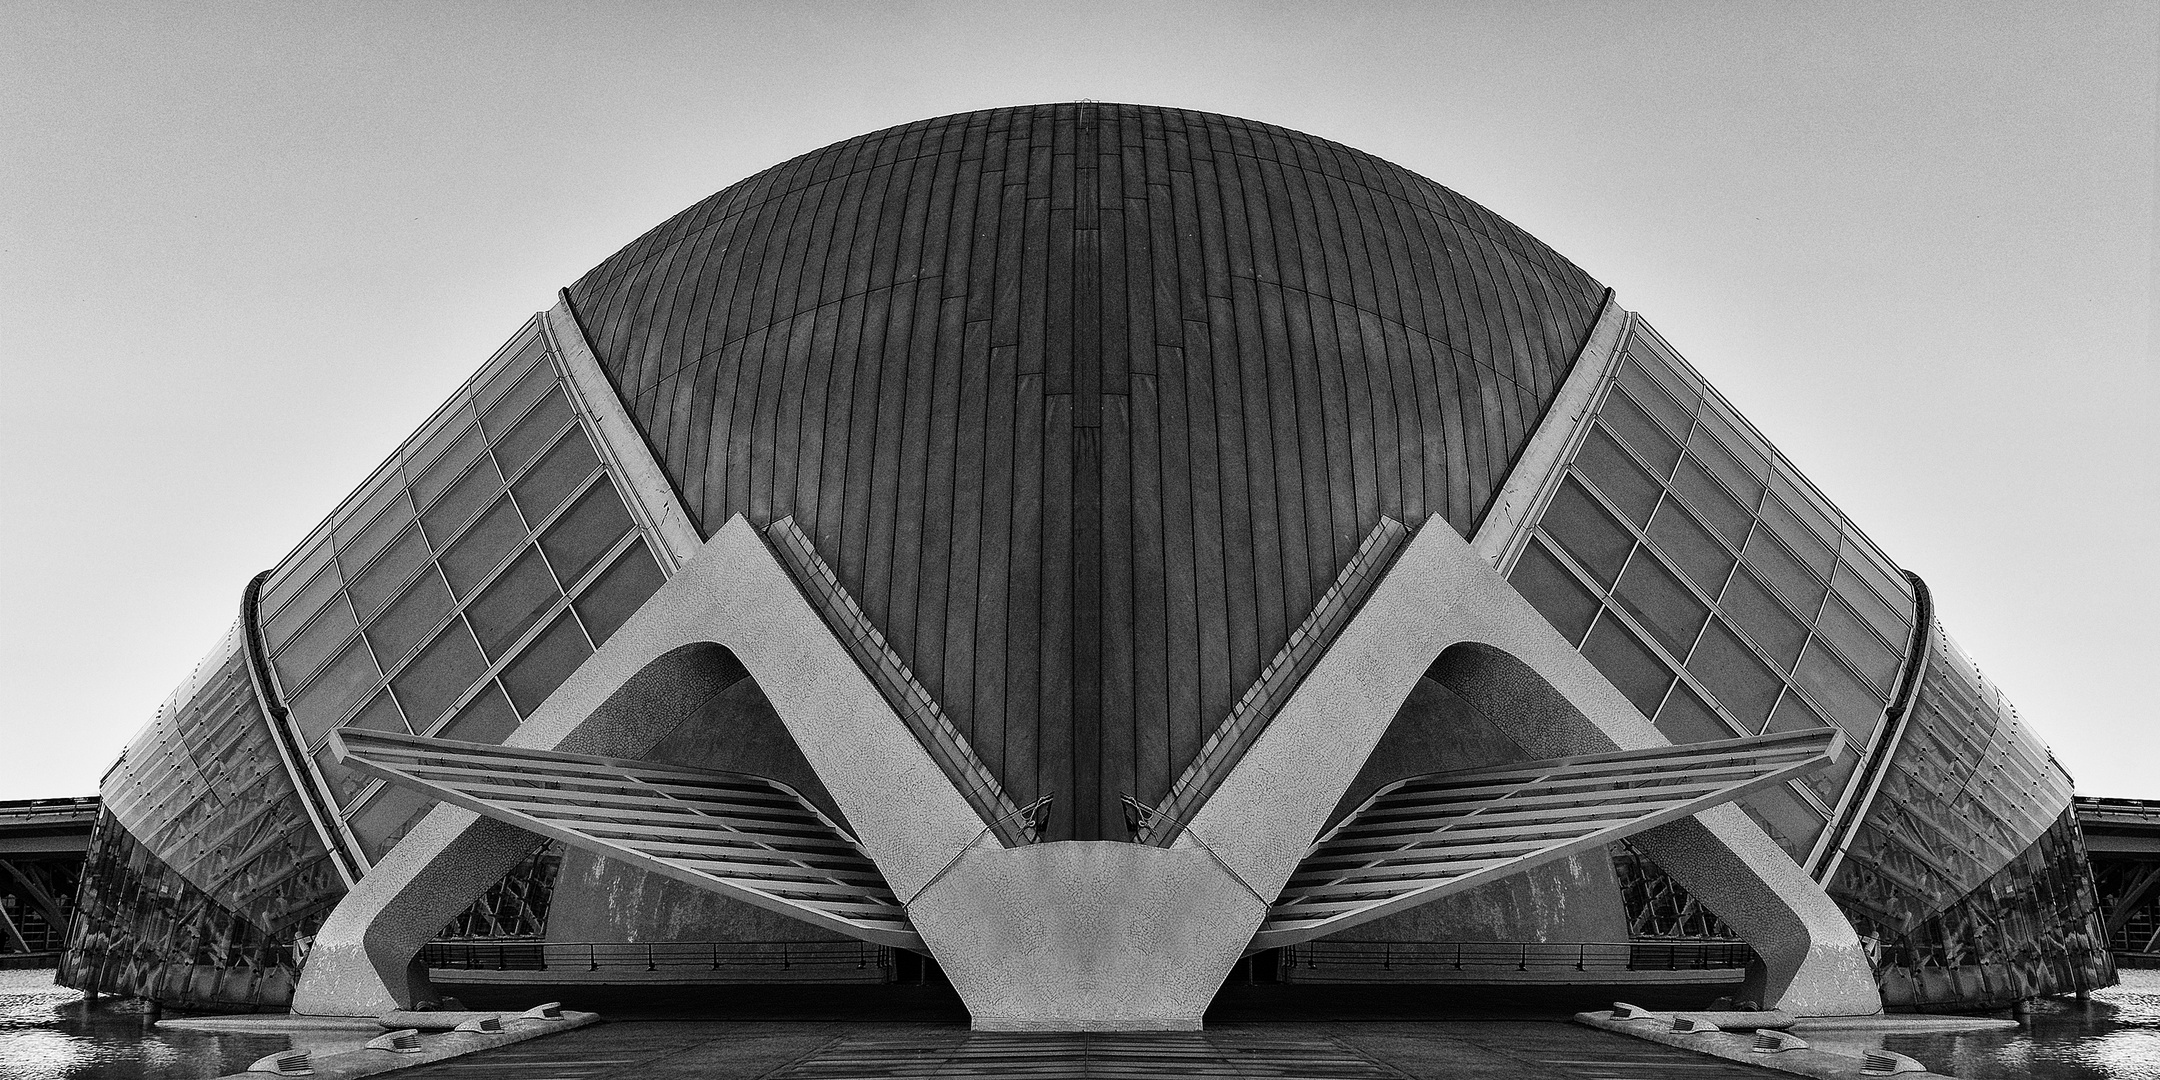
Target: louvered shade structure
[
  {"x": 742, "y": 835},
  {"x": 1428, "y": 836}
]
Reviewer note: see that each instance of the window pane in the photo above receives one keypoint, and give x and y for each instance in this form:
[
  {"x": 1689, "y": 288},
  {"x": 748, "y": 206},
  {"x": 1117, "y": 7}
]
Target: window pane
[
  {"x": 536, "y": 432},
  {"x": 1820, "y": 519},
  {"x": 1722, "y": 464},
  {"x": 315, "y": 643},
  {"x": 486, "y": 718},
  {"x": 340, "y": 686},
  {"x": 545, "y": 663},
  {"x": 516, "y": 370},
  {"x": 1687, "y": 719},
  {"x": 465, "y": 497},
  {"x": 1799, "y": 539},
  {"x": 1617, "y": 476},
  {"x": 1858, "y": 645},
  {"x": 556, "y": 476},
  {"x": 273, "y": 607},
  {"x": 386, "y": 576},
  {"x": 379, "y": 714},
  {"x": 443, "y": 471},
  {"x": 344, "y": 783},
  {"x": 1778, "y": 569},
  {"x": 1734, "y": 675},
  {"x": 1765, "y": 621},
  {"x": 1793, "y": 714},
  {"x": 1749, "y": 453},
  {"x": 303, "y": 606},
  {"x": 410, "y": 618},
  {"x": 1654, "y": 399},
  {"x": 448, "y": 667},
  {"x": 1660, "y": 603},
  {"x": 585, "y": 532},
  {"x": 1894, "y": 626},
  {"x": 512, "y": 602},
  {"x": 1630, "y": 664},
  {"x": 502, "y": 415},
  {"x": 1636, "y": 429},
  {"x": 1838, "y": 693},
  {"x": 1585, "y": 530},
  {"x": 383, "y": 487},
  {"x": 1790, "y": 822},
  {"x": 1550, "y": 587},
  {"x": 451, "y": 429},
  {"x": 356, "y": 552},
  {"x": 1683, "y": 540},
  {"x": 483, "y": 547},
  {"x": 619, "y": 591},
  {"x": 389, "y": 814},
  {"x": 1711, "y": 502}
]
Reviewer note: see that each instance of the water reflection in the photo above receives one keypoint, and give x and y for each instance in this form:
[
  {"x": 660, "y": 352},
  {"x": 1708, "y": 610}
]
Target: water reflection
[
  {"x": 2114, "y": 1036},
  {"x": 49, "y": 1032}
]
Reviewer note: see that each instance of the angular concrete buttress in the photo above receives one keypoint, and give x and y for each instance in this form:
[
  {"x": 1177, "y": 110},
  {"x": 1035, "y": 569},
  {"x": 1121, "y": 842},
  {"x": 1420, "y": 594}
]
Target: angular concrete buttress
[{"x": 1442, "y": 602}]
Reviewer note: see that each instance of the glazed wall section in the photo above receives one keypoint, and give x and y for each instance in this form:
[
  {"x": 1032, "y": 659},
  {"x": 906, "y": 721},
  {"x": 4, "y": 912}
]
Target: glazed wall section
[
  {"x": 456, "y": 588},
  {"x": 205, "y": 879}
]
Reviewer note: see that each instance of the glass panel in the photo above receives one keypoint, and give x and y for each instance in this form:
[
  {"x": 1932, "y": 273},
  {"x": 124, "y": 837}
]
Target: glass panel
[
  {"x": 487, "y": 718},
  {"x": 1894, "y": 627},
  {"x": 512, "y": 602},
  {"x": 382, "y": 487},
  {"x": 1660, "y": 603},
  {"x": 1765, "y": 621},
  {"x": 314, "y": 644},
  {"x": 445, "y": 470},
  {"x": 1799, "y": 539},
  {"x": 1887, "y": 581},
  {"x": 1808, "y": 507},
  {"x": 1858, "y": 645},
  {"x": 545, "y": 663},
  {"x": 1790, "y": 822},
  {"x": 536, "y": 432},
  {"x": 1711, "y": 502},
  {"x": 1585, "y": 530},
  {"x": 1617, "y": 476},
  {"x": 501, "y": 415},
  {"x": 1793, "y": 714},
  {"x": 386, "y": 576},
  {"x": 344, "y": 783},
  {"x": 1636, "y": 429},
  {"x": 1666, "y": 367},
  {"x": 443, "y": 671},
  {"x": 1733, "y": 434},
  {"x": 321, "y": 704},
  {"x": 387, "y": 817},
  {"x": 410, "y": 618},
  {"x": 513, "y": 367},
  {"x": 1630, "y": 664},
  {"x": 466, "y": 496},
  {"x": 483, "y": 547},
  {"x": 1687, "y": 719},
  {"x": 1715, "y": 456},
  {"x": 1838, "y": 693},
  {"x": 280, "y": 588},
  {"x": 585, "y": 532},
  {"x": 451, "y": 427},
  {"x": 624, "y": 586},
  {"x": 1682, "y": 539},
  {"x": 379, "y": 714},
  {"x": 371, "y": 540},
  {"x": 1654, "y": 399},
  {"x": 303, "y": 606},
  {"x": 558, "y": 474},
  {"x": 1734, "y": 675},
  {"x": 1550, "y": 587},
  {"x": 1776, "y": 566}
]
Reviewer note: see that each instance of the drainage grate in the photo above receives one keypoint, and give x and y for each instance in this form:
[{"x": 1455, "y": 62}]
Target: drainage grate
[{"x": 1096, "y": 1057}]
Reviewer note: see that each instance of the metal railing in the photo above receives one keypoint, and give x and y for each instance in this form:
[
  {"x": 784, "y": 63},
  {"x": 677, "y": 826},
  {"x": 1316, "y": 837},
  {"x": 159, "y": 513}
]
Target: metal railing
[
  {"x": 739, "y": 956},
  {"x": 1521, "y": 955}
]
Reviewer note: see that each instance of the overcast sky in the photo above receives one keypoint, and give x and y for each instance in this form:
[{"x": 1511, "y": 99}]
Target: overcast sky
[{"x": 245, "y": 249}]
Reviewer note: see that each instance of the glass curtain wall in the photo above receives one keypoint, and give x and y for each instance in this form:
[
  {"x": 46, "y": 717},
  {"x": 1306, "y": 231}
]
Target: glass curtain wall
[
  {"x": 1694, "y": 567},
  {"x": 458, "y": 587}
]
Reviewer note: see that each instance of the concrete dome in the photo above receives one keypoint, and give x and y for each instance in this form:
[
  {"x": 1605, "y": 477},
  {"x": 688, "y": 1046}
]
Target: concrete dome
[{"x": 1087, "y": 404}]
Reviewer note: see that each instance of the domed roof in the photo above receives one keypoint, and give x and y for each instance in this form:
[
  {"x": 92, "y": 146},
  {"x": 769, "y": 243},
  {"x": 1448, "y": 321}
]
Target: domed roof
[{"x": 1086, "y": 404}]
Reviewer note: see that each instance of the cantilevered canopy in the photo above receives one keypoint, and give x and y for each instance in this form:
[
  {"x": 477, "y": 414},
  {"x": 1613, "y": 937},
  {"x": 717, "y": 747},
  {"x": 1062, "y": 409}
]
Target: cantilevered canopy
[
  {"x": 1428, "y": 836},
  {"x": 742, "y": 835}
]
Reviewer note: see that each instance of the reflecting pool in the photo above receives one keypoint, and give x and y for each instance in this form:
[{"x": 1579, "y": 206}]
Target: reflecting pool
[
  {"x": 2114, "y": 1036},
  {"x": 49, "y": 1032}
]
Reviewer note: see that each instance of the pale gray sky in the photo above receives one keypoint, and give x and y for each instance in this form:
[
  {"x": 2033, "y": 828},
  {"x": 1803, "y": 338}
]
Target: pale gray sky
[{"x": 244, "y": 249}]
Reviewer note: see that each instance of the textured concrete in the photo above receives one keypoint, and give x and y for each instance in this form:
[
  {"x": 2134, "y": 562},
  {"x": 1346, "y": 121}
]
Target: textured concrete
[
  {"x": 656, "y": 670},
  {"x": 1736, "y": 1046},
  {"x": 435, "y": 1047},
  {"x": 1087, "y": 935},
  {"x": 1443, "y": 611}
]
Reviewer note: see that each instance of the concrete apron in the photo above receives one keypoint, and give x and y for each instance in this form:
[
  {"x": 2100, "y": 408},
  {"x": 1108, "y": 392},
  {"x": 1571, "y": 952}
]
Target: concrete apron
[{"x": 1086, "y": 935}]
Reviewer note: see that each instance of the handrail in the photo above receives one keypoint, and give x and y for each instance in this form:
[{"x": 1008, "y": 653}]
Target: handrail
[{"x": 1643, "y": 955}]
